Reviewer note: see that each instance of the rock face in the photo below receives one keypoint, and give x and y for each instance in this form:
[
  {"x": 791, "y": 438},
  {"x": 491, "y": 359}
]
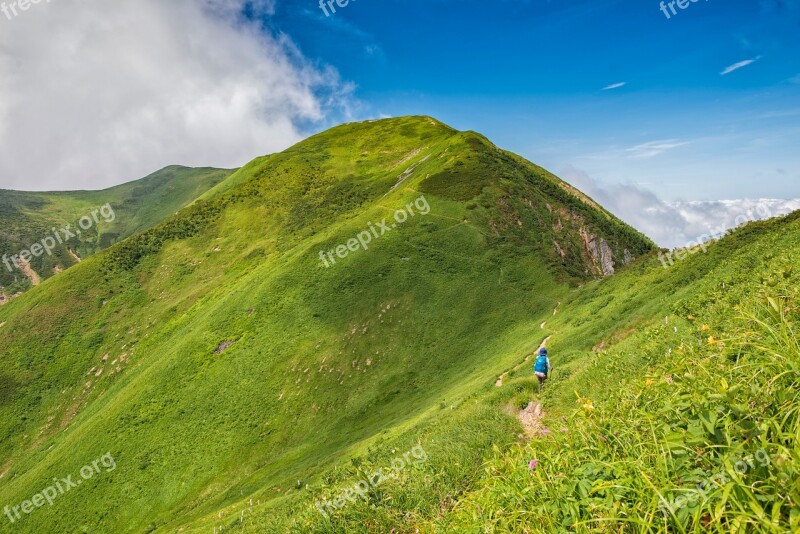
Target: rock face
[
  {"x": 606, "y": 258},
  {"x": 599, "y": 251},
  {"x": 628, "y": 257},
  {"x": 581, "y": 240}
]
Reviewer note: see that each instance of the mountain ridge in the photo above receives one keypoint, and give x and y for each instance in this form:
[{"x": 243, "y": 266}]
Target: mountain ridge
[
  {"x": 224, "y": 311},
  {"x": 28, "y": 217}
]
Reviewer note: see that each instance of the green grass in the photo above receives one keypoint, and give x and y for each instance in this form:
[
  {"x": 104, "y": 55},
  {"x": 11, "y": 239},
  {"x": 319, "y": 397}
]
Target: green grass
[
  {"x": 27, "y": 218},
  {"x": 672, "y": 406},
  {"x": 331, "y": 373}
]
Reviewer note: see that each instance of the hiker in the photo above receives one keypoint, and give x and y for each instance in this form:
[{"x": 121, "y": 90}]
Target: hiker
[{"x": 542, "y": 367}]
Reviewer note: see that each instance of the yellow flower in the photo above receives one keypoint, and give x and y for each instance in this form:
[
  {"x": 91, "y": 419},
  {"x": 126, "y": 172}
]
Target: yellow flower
[
  {"x": 713, "y": 341},
  {"x": 588, "y": 406},
  {"x": 691, "y": 317},
  {"x": 705, "y": 328},
  {"x": 648, "y": 382}
]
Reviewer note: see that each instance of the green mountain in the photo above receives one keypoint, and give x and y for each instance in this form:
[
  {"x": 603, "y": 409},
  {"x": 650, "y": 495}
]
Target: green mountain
[
  {"x": 58, "y": 229},
  {"x": 357, "y": 312}
]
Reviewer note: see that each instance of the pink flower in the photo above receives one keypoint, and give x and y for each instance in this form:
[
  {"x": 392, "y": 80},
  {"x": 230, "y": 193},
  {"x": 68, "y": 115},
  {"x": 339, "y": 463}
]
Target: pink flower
[
  {"x": 533, "y": 464},
  {"x": 545, "y": 432}
]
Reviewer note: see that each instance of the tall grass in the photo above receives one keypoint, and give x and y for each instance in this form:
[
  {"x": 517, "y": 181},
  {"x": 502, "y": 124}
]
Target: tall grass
[{"x": 707, "y": 442}]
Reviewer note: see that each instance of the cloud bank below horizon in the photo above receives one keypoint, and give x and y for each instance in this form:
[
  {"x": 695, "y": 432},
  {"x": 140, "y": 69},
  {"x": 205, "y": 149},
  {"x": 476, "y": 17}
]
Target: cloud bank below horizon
[{"x": 676, "y": 224}]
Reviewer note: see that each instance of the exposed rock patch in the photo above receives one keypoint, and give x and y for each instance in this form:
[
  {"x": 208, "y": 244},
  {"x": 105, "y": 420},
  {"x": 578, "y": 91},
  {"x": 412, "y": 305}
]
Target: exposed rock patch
[
  {"x": 225, "y": 345},
  {"x": 599, "y": 251}
]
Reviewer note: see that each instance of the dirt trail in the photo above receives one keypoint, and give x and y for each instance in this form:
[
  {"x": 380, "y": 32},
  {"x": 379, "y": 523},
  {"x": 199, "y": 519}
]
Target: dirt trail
[
  {"x": 499, "y": 382},
  {"x": 555, "y": 311},
  {"x": 531, "y": 419},
  {"x": 29, "y": 272},
  {"x": 532, "y": 416}
]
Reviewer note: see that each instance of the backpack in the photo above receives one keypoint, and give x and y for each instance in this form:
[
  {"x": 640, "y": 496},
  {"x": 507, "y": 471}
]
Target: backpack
[{"x": 541, "y": 365}]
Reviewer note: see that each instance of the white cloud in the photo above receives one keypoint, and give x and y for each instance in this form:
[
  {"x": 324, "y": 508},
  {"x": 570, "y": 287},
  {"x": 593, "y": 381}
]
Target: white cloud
[
  {"x": 675, "y": 224},
  {"x": 614, "y": 86},
  {"x": 95, "y": 93},
  {"x": 739, "y": 65},
  {"x": 653, "y": 148}
]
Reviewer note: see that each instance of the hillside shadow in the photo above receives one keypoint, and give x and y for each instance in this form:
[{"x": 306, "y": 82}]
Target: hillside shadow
[{"x": 7, "y": 388}]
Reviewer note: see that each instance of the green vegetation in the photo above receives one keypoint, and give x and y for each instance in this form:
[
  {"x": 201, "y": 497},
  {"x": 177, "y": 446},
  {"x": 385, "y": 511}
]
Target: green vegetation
[
  {"x": 237, "y": 381},
  {"x": 671, "y": 401},
  {"x": 27, "y": 218}
]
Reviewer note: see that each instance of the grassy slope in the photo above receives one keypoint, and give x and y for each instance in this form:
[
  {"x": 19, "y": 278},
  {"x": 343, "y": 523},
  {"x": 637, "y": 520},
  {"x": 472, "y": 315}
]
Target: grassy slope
[
  {"x": 325, "y": 363},
  {"x": 26, "y": 218},
  {"x": 698, "y": 370}
]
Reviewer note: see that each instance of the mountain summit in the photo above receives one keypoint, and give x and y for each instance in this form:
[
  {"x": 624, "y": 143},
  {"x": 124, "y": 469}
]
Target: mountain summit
[{"x": 310, "y": 303}]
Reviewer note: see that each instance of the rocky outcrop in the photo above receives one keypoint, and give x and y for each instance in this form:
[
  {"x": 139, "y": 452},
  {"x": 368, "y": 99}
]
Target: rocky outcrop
[
  {"x": 599, "y": 251},
  {"x": 627, "y": 257}
]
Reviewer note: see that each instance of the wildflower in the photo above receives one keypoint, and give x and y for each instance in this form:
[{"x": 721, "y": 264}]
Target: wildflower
[
  {"x": 648, "y": 382},
  {"x": 545, "y": 432},
  {"x": 705, "y": 328},
  {"x": 713, "y": 341},
  {"x": 533, "y": 464},
  {"x": 588, "y": 406},
  {"x": 691, "y": 317}
]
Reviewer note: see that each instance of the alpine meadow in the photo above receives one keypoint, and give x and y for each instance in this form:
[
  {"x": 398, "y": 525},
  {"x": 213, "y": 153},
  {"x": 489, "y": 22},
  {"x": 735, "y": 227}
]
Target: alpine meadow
[
  {"x": 237, "y": 382},
  {"x": 399, "y": 267}
]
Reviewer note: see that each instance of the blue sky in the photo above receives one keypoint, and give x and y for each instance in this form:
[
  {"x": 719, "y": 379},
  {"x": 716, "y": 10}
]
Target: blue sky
[
  {"x": 660, "y": 119},
  {"x": 531, "y": 76}
]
